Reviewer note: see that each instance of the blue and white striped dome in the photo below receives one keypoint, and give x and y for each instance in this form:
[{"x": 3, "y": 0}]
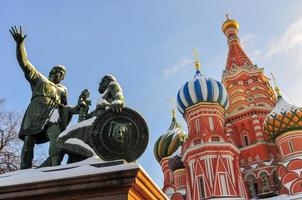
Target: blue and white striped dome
[{"x": 201, "y": 89}]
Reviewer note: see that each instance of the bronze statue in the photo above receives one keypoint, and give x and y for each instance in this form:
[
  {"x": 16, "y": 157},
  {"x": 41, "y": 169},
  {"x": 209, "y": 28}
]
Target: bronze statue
[
  {"x": 111, "y": 131},
  {"x": 111, "y": 96},
  {"x": 47, "y": 114},
  {"x": 85, "y": 104},
  {"x": 111, "y": 99}
]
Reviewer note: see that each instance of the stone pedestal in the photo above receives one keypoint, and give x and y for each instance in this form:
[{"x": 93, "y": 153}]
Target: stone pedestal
[{"x": 90, "y": 179}]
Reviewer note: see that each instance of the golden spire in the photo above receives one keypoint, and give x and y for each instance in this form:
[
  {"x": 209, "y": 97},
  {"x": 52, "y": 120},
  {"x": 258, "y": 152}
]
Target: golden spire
[
  {"x": 277, "y": 89},
  {"x": 197, "y": 63},
  {"x": 229, "y": 23},
  {"x": 173, "y": 108}
]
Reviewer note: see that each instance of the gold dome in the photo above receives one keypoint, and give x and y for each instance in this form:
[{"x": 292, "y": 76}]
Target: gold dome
[{"x": 230, "y": 23}]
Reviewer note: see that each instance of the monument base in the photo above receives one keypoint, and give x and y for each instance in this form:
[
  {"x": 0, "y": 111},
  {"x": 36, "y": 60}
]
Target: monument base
[{"x": 89, "y": 179}]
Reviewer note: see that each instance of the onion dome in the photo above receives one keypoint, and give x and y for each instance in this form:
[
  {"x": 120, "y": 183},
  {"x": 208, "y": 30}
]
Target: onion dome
[
  {"x": 201, "y": 89},
  {"x": 175, "y": 163},
  {"x": 284, "y": 117},
  {"x": 229, "y": 23},
  {"x": 169, "y": 142}
]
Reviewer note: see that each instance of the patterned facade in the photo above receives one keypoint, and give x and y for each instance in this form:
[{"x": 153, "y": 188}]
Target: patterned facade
[
  {"x": 284, "y": 126},
  {"x": 251, "y": 100},
  {"x": 243, "y": 142}
]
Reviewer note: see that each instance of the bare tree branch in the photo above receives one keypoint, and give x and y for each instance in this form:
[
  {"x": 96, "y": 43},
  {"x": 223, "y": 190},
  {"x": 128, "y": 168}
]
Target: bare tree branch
[{"x": 10, "y": 144}]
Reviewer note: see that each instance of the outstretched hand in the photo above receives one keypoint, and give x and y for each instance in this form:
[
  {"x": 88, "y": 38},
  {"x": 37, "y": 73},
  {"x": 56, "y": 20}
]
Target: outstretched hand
[
  {"x": 17, "y": 34},
  {"x": 117, "y": 106}
]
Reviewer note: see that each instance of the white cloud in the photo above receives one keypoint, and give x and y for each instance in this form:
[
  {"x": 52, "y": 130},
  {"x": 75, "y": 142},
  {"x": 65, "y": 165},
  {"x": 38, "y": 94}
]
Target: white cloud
[
  {"x": 178, "y": 67},
  {"x": 292, "y": 38},
  {"x": 283, "y": 58},
  {"x": 247, "y": 41}
]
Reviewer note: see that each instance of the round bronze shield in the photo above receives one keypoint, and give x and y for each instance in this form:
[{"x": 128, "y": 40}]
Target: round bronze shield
[{"x": 122, "y": 135}]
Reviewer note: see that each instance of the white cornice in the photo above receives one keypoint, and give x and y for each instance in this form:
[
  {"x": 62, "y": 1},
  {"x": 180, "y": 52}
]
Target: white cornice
[
  {"x": 209, "y": 144},
  {"x": 255, "y": 144},
  {"x": 237, "y": 71},
  {"x": 250, "y": 109}
]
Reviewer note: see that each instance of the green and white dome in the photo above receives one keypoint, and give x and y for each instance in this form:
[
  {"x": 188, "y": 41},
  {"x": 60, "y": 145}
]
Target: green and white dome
[{"x": 169, "y": 142}]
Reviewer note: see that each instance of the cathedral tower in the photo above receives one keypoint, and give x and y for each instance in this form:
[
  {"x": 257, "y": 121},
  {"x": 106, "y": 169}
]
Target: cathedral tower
[
  {"x": 165, "y": 146},
  {"x": 251, "y": 98},
  {"x": 210, "y": 160}
]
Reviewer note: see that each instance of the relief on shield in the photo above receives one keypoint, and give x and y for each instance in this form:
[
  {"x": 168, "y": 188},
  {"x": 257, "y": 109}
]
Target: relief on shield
[{"x": 120, "y": 135}]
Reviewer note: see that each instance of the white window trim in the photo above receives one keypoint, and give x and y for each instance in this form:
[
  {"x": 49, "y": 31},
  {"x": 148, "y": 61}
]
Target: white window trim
[
  {"x": 223, "y": 187},
  {"x": 197, "y": 125}
]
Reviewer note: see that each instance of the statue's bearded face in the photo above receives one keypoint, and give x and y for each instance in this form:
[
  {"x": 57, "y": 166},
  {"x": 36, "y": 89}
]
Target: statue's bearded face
[
  {"x": 104, "y": 85},
  {"x": 57, "y": 76}
]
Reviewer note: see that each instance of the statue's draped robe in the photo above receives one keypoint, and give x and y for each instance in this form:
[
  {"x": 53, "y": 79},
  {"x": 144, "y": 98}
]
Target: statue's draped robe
[{"x": 46, "y": 97}]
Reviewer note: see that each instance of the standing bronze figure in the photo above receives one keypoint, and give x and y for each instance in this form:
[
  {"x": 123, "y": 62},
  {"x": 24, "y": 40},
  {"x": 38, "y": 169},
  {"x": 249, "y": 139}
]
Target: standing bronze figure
[{"x": 47, "y": 114}]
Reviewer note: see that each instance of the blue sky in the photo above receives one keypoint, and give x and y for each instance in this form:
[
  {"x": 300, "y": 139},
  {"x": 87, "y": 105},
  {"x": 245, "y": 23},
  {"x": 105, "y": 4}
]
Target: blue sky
[{"x": 147, "y": 45}]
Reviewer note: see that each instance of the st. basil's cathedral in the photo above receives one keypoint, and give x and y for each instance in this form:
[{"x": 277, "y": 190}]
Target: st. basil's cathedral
[{"x": 244, "y": 139}]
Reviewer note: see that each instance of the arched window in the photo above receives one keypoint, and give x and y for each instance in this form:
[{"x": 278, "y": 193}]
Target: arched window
[
  {"x": 211, "y": 123},
  {"x": 252, "y": 185},
  {"x": 201, "y": 187},
  {"x": 276, "y": 178},
  {"x": 197, "y": 125},
  {"x": 179, "y": 180},
  {"x": 223, "y": 184},
  {"x": 265, "y": 182},
  {"x": 245, "y": 140}
]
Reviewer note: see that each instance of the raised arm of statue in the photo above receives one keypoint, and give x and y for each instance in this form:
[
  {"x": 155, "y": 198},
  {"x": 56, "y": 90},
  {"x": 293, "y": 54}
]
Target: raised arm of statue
[{"x": 28, "y": 69}]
